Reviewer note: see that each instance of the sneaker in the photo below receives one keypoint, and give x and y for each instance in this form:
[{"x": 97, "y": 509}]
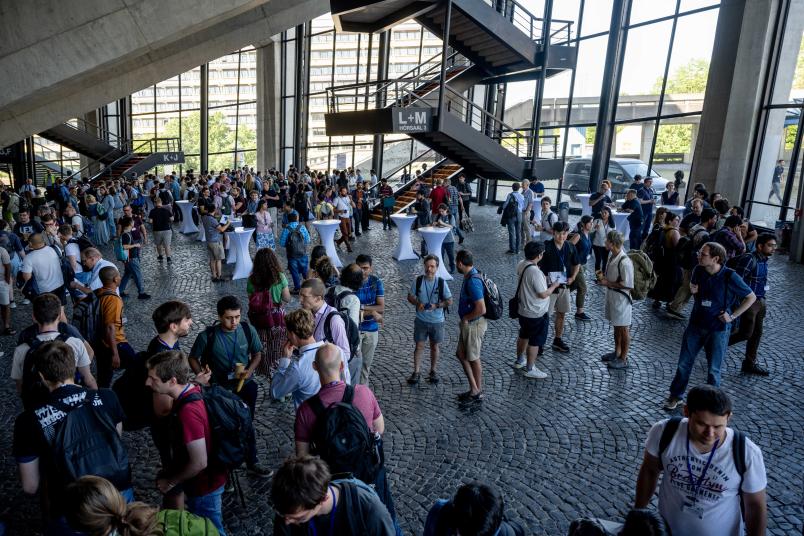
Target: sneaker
[
  {"x": 611, "y": 356},
  {"x": 535, "y": 374},
  {"x": 124, "y": 294},
  {"x": 432, "y": 377},
  {"x": 520, "y": 362},
  {"x": 582, "y": 316},
  {"x": 159, "y": 258},
  {"x": 656, "y": 304},
  {"x": 617, "y": 364},
  {"x": 560, "y": 346},
  {"x": 460, "y": 241},
  {"x": 169, "y": 260},
  {"x": 511, "y": 252},
  {"x": 13, "y": 305},
  {"x": 26, "y": 301},
  {"x": 414, "y": 378},
  {"x": 753, "y": 368},
  {"x": 674, "y": 314},
  {"x": 144, "y": 296},
  {"x": 256, "y": 469},
  {"x": 671, "y": 403}
]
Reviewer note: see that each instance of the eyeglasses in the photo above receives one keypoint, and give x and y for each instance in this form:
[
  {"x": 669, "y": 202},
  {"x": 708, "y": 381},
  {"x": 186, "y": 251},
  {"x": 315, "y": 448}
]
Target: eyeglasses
[{"x": 702, "y": 254}]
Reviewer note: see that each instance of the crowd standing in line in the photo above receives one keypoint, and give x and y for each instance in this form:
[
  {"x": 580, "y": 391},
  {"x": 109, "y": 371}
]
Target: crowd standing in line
[{"x": 200, "y": 404}]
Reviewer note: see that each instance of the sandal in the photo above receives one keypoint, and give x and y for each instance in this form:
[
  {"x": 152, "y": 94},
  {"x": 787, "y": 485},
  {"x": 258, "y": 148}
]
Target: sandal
[
  {"x": 432, "y": 377},
  {"x": 478, "y": 397},
  {"x": 414, "y": 378},
  {"x": 465, "y": 396}
]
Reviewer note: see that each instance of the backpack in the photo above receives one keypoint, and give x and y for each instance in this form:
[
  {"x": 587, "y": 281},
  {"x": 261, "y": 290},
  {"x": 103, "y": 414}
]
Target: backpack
[
  {"x": 654, "y": 244},
  {"x": 688, "y": 250},
  {"x": 737, "y": 449},
  {"x": 644, "y": 276},
  {"x": 441, "y": 284},
  {"x": 263, "y": 313},
  {"x": 87, "y": 317},
  {"x": 89, "y": 228},
  {"x": 86, "y": 442},
  {"x": 295, "y": 244},
  {"x": 209, "y": 332},
  {"x": 183, "y": 523},
  {"x": 342, "y": 438},
  {"x": 34, "y": 392},
  {"x": 82, "y": 241},
  {"x": 491, "y": 297},
  {"x": 14, "y": 202},
  {"x": 229, "y": 420},
  {"x": 119, "y": 253},
  {"x": 135, "y": 398},
  {"x": 509, "y": 210},
  {"x": 352, "y": 329},
  {"x": 67, "y": 271},
  {"x": 101, "y": 212}
]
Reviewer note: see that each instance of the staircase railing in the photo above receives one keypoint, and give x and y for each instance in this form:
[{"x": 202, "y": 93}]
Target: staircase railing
[
  {"x": 149, "y": 146},
  {"x": 530, "y": 24},
  {"x": 82, "y": 125}
]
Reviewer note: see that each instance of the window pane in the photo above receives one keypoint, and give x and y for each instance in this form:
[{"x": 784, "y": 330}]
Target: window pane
[
  {"x": 596, "y": 17},
  {"x": 588, "y": 79},
  {"x": 688, "y": 5},
  {"x": 643, "y": 70},
  {"x": 675, "y": 145},
  {"x": 645, "y": 10},
  {"x": 778, "y": 145}
]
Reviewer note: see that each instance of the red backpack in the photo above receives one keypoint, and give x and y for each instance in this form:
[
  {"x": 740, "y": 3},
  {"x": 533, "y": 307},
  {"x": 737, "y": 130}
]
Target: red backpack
[{"x": 263, "y": 313}]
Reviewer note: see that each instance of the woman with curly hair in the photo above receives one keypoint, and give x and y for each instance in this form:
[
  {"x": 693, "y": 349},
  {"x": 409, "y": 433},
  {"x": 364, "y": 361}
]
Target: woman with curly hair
[{"x": 268, "y": 290}]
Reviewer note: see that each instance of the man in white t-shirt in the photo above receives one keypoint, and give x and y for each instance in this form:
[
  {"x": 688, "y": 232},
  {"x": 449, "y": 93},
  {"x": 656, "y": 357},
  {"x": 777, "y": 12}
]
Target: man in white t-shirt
[
  {"x": 534, "y": 303},
  {"x": 702, "y": 486},
  {"x": 43, "y": 264},
  {"x": 47, "y": 309}
]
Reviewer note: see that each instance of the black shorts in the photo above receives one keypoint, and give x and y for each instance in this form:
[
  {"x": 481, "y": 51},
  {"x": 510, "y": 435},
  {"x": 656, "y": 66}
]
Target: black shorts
[{"x": 534, "y": 329}]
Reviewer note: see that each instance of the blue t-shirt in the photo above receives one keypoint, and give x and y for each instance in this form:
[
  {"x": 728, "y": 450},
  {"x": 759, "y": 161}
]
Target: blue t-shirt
[
  {"x": 428, "y": 293},
  {"x": 537, "y": 187},
  {"x": 646, "y": 194},
  {"x": 368, "y": 293},
  {"x": 471, "y": 291},
  {"x": 583, "y": 247},
  {"x": 713, "y": 296},
  {"x": 635, "y": 218}
]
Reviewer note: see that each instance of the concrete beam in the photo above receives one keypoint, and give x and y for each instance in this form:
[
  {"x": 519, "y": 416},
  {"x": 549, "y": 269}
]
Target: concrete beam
[
  {"x": 269, "y": 80},
  {"x": 70, "y": 57}
]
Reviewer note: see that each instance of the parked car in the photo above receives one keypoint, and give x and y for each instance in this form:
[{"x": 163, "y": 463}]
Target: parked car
[{"x": 621, "y": 174}]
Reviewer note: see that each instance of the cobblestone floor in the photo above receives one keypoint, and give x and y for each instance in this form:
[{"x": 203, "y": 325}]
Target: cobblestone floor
[{"x": 559, "y": 448}]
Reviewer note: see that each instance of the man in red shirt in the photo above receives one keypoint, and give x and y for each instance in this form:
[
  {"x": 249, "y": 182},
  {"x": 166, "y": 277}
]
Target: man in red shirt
[
  {"x": 192, "y": 471},
  {"x": 438, "y": 195}
]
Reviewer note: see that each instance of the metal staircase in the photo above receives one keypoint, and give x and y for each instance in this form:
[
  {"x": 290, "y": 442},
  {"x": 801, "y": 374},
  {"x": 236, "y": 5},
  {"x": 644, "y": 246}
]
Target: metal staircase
[{"x": 488, "y": 47}]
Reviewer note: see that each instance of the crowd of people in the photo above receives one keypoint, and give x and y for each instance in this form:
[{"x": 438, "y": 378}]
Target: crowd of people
[{"x": 199, "y": 401}]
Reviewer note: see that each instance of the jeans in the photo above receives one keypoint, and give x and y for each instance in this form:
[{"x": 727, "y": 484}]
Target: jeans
[
  {"x": 457, "y": 223},
  {"x": 368, "y": 343},
  {"x": 714, "y": 344},
  {"x": 448, "y": 254},
  {"x": 635, "y": 238},
  {"x": 646, "y": 224},
  {"x": 515, "y": 231},
  {"x": 357, "y": 215},
  {"x": 298, "y": 269},
  {"x": 386, "y": 217},
  {"x": 103, "y": 356},
  {"x": 132, "y": 270},
  {"x": 750, "y": 329},
  {"x": 208, "y": 506}
]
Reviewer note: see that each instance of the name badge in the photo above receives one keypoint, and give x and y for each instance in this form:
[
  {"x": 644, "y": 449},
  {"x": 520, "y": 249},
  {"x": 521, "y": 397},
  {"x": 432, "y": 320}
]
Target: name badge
[
  {"x": 230, "y": 376},
  {"x": 706, "y": 303}
]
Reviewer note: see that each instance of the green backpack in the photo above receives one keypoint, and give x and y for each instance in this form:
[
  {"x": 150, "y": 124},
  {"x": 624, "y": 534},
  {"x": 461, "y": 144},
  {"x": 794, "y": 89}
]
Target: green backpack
[{"x": 183, "y": 523}]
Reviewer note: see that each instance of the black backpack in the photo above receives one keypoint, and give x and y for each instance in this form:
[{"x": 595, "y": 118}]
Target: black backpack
[
  {"x": 83, "y": 242},
  {"x": 688, "y": 250},
  {"x": 86, "y": 442},
  {"x": 34, "y": 393},
  {"x": 67, "y": 271},
  {"x": 441, "y": 284},
  {"x": 352, "y": 330},
  {"x": 491, "y": 297},
  {"x": 135, "y": 398},
  {"x": 508, "y": 210},
  {"x": 87, "y": 317},
  {"x": 295, "y": 244},
  {"x": 230, "y": 422},
  {"x": 342, "y": 438}
]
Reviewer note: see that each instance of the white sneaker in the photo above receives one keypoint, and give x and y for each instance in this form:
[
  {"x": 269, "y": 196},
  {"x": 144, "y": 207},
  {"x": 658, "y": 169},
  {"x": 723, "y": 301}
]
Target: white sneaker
[
  {"x": 26, "y": 301},
  {"x": 520, "y": 363},
  {"x": 536, "y": 374},
  {"x": 13, "y": 305}
]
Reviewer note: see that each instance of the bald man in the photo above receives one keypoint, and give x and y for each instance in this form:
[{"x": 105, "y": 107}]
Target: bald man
[
  {"x": 93, "y": 262},
  {"x": 43, "y": 264}
]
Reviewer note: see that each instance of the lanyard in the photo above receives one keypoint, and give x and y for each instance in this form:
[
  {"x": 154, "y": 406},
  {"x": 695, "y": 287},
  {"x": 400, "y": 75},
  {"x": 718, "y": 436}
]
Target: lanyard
[
  {"x": 696, "y": 487},
  {"x": 166, "y": 345},
  {"x": 311, "y": 526},
  {"x": 229, "y": 355},
  {"x": 430, "y": 293},
  {"x": 561, "y": 257},
  {"x": 186, "y": 388}
]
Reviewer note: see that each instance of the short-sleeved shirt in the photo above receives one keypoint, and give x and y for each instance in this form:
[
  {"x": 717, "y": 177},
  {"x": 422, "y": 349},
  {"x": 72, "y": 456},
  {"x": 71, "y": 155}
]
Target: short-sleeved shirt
[
  {"x": 276, "y": 288},
  {"x": 111, "y": 310},
  {"x": 438, "y": 196},
  {"x": 211, "y": 232},
  {"x": 25, "y": 230},
  {"x": 716, "y": 293},
  {"x": 45, "y": 266},
  {"x": 228, "y": 349},
  {"x": 368, "y": 293},
  {"x": 363, "y": 400},
  {"x": 298, "y": 378},
  {"x": 194, "y": 426},
  {"x": 718, "y": 497},
  {"x": 128, "y": 239},
  {"x": 72, "y": 249},
  {"x": 620, "y": 269},
  {"x": 537, "y": 187},
  {"x": 343, "y": 204},
  {"x": 79, "y": 351},
  {"x": 533, "y": 283},
  {"x": 4, "y": 259},
  {"x": 161, "y": 218},
  {"x": 635, "y": 217},
  {"x": 471, "y": 291},
  {"x": 554, "y": 260},
  {"x": 646, "y": 194},
  {"x": 599, "y": 206},
  {"x": 428, "y": 293},
  {"x": 689, "y": 221}
]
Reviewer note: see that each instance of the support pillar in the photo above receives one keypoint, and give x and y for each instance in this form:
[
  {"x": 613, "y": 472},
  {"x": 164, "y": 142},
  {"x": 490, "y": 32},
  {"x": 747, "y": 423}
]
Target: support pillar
[
  {"x": 204, "y": 135},
  {"x": 646, "y": 140},
  {"x": 269, "y": 78}
]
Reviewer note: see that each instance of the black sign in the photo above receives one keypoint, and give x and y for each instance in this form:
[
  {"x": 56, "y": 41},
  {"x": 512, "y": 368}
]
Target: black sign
[
  {"x": 412, "y": 120},
  {"x": 7, "y": 154}
]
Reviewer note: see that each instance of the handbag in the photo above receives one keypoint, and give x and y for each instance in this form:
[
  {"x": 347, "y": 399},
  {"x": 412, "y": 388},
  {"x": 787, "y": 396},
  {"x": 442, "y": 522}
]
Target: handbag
[
  {"x": 513, "y": 303},
  {"x": 388, "y": 202}
]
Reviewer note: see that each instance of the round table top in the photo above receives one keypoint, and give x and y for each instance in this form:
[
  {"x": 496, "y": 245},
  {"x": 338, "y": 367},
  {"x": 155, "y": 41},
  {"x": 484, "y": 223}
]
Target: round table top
[
  {"x": 403, "y": 216},
  {"x": 183, "y": 202},
  {"x": 584, "y": 195},
  {"x": 243, "y": 230},
  {"x": 431, "y": 229},
  {"x": 326, "y": 222}
]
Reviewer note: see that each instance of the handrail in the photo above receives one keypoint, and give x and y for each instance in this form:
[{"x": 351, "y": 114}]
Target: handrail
[
  {"x": 407, "y": 164},
  {"x": 153, "y": 146},
  {"x": 527, "y": 22},
  {"x": 98, "y": 130}
]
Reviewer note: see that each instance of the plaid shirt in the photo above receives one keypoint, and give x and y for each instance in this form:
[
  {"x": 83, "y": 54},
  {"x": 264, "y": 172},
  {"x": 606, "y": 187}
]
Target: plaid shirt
[
  {"x": 453, "y": 196},
  {"x": 754, "y": 270},
  {"x": 734, "y": 246}
]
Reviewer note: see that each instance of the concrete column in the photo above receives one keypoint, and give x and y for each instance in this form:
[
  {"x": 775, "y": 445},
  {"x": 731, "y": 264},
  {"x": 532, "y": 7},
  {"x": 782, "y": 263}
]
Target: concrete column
[
  {"x": 269, "y": 89},
  {"x": 733, "y": 95},
  {"x": 646, "y": 140},
  {"x": 693, "y": 141}
]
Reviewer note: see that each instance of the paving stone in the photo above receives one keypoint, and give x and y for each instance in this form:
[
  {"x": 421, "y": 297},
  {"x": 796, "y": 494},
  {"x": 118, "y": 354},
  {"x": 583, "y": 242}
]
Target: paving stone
[{"x": 559, "y": 448}]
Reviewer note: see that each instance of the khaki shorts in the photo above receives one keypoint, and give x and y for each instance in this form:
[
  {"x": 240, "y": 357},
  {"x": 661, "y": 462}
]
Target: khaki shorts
[
  {"x": 560, "y": 301},
  {"x": 215, "y": 251},
  {"x": 471, "y": 338},
  {"x": 5, "y": 294},
  {"x": 163, "y": 238}
]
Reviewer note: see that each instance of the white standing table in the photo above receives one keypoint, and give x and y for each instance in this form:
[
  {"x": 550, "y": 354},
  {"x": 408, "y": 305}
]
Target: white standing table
[
  {"x": 238, "y": 241},
  {"x": 231, "y": 251},
  {"x": 404, "y": 250},
  {"x": 434, "y": 238},
  {"x": 586, "y": 210},
  {"x": 326, "y": 230},
  {"x": 187, "y": 224},
  {"x": 621, "y": 223}
]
